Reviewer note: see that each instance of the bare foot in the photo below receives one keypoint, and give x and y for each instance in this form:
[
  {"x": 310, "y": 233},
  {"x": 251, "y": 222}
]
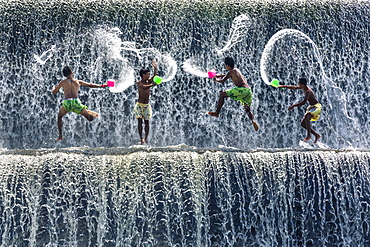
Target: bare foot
[
  {"x": 143, "y": 141},
  {"x": 59, "y": 139},
  {"x": 307, "y": 138},
  {"x": 92, "y": 113},
  {"x": 213, "y": 114},
  {"x": 317, "y": 138},
  {"x": 255, "y": 125}
]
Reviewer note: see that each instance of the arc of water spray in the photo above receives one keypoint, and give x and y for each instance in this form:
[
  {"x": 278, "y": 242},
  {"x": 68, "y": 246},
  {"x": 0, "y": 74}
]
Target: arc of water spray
[
  {"x": 165, "y": 59},
  {"x": 270, "y": 44},
  {"x": 239, "y": 27},
  {"x": 45, "y": 56},
  {"x": 110, "y": 39},
  {"x": 293, "y": 32},
  {"x": 189, "y": 67}
]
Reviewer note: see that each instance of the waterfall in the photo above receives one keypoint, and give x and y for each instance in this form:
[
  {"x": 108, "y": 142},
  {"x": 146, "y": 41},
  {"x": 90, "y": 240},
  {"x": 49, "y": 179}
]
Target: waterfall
[
  {"x": 201, "y": 181},
  {"x": 115, "y": 39},
  {"x": 181, "y": 196}
]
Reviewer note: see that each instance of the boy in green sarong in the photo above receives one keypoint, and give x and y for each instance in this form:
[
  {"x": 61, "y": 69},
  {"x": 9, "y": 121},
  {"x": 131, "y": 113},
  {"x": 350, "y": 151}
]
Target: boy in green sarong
[
  {"x": 71, "y": 102},
  {"x": 241, "y": 91}
]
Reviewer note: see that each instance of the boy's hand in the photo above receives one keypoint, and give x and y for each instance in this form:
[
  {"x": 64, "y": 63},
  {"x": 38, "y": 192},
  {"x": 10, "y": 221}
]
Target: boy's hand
[
  {"x": 290, "y": 107},
  {"x": 154, "y": 64}
]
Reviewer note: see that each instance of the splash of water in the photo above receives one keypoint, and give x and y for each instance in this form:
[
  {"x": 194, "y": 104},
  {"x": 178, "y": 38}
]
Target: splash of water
[
  {"x": 193, "y": 69},
  {"x": 239, "y": 27},
  {"x": 264, "y": 64},
  {"x": 333, "y": 93},
  {"x": 124, "y": 57},
  {"x": 46, "y": 55}
]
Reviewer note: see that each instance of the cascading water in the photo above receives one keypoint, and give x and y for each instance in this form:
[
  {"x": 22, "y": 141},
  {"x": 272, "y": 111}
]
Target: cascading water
[
  {"x": 203, "y": 181},
  {"x": 184, "y": 197},
  {"x": 327, "y": 43}
]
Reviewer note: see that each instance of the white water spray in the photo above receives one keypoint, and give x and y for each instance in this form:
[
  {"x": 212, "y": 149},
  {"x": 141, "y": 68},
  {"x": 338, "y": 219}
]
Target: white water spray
[
  {"x": 334, "y": 94},
  {"x": 126, "y": 59},
  {"x": 193, "y": 69},
  {"x": 46, "y": 55},
  {"x": 239, "y": 27}
]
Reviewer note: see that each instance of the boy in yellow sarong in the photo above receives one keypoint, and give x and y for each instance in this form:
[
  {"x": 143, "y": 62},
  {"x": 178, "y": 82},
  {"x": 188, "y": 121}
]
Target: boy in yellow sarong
[
  {"x": 241, "y": 92},
  {"x": 313, "y": 110},
  {"x": 142, "y": 109}
]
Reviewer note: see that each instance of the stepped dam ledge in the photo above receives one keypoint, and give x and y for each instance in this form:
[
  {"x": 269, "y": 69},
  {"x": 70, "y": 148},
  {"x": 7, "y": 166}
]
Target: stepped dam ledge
[
  {"x": 323, "y": 41},
  {"x": 184, "y": 196},
  {"x": 203, "y": 181}
]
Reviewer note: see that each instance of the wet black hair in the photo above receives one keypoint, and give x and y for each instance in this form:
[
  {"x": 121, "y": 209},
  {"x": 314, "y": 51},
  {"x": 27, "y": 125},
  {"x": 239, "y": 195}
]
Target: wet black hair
[
  {"x": 67, "y": 71},
  {"x": 229, "y": 61},
  {"x": 302, "y": 81},
  {"x": 144, "y": 71}
]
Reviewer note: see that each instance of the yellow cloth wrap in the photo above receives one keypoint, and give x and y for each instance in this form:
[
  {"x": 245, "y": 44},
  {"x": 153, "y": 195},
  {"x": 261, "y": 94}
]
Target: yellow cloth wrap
[
  {"x": 315, "y": 110},
  {"x": 143, "y": 111}
]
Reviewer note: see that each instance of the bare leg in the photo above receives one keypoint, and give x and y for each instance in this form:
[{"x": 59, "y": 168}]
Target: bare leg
[
  {"x": 61, "y": 113},
  {"x": 92, "y": 113},
  {"x": 251, "y": 117},
  {"x": 146, "y": 130},
  {"x": 307, "y": 125},
  {"x": 140, "y": 129},
  {"x": 316, "y": 135},
  {"x": 87, "y": 114},
  {"x": 221, "y": 101}
]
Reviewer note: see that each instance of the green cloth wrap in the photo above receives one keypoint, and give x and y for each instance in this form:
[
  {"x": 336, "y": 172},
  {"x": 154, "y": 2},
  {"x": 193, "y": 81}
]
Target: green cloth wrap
[
  {"x": 244, "y": 95},
  {"x": 73, "y": 105}
]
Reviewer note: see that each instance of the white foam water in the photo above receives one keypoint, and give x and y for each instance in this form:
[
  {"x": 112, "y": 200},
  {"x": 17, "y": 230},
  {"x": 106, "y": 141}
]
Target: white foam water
[{"x": 124, "y": 60}]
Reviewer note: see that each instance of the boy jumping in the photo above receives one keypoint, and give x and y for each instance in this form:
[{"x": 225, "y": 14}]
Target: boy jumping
[
  {"x": 241, "y": 91},
  {"x": 313, "y": 110},
  {"x": 71, "y": 102}
]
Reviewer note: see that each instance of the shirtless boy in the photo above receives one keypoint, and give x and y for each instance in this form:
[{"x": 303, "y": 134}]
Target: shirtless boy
[
  {"x": 142, "y": 109},
  {"x": 71, "y": 102},
  {"x": 241, "y": 91},
  {"x": 313, "y": 110}
]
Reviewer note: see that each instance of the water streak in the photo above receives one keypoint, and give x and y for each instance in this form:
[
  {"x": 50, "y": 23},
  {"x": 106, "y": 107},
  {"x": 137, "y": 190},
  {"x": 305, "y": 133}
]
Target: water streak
[
  {"x": 121, "y": 57},
  {"x": 238, "y": 30}
]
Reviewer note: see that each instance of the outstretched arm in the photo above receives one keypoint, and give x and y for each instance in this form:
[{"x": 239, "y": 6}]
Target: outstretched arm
[
  {"x": 155, "y": 66},
  {"x": 223, "y": 79},
  {"x": 92, "y": 85},
  {"x": 307, "y": 95},
  {"x": 289, "y": 87}
]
